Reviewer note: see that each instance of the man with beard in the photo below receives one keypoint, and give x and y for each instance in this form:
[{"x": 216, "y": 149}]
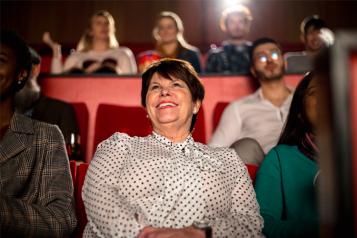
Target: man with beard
[
  {"x": 233, "y": 56},
  {"x": 32, "y": 103},
  {"x": 260, "y": 116}
]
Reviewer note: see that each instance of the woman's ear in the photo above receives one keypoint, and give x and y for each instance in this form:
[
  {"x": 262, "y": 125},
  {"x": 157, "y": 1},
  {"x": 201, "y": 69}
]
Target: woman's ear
[{"x": 196, "y": 106}]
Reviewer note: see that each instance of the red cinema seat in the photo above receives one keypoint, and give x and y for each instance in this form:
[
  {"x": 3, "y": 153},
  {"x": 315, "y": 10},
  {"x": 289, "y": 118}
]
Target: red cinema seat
[
  {"x": 252, "y": 170},
  {"x": 80, "y": 211},
  {"x": 217, "y": 113},
  {"x": 115, "y": 118},
  {"x": 82, "y": 116},
  {"x": 199, "y": 131}
]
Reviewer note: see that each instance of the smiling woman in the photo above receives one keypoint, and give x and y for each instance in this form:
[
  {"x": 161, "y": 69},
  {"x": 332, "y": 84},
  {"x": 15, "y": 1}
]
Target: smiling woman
[
  {"x": 36, "y": 187},
  {"x": 166, "y": 184}
]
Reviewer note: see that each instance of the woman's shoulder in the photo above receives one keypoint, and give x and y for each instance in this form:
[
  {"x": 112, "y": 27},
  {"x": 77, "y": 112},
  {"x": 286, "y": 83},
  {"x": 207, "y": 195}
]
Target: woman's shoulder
[
  {"x": 122, "y": 50},
  {"x": 222, "y": 153}
]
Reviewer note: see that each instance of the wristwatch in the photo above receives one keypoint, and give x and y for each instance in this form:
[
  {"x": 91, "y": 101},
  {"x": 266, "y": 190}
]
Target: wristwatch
[{"x": 203, "y": 226}]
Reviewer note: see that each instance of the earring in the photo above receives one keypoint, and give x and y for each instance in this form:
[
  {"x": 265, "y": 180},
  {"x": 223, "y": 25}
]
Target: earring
[{"x": 19, "y": 82}]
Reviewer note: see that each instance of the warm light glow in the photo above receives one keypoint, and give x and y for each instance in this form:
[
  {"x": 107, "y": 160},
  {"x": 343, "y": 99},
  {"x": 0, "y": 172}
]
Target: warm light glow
[{"x": 229, "y": 3}]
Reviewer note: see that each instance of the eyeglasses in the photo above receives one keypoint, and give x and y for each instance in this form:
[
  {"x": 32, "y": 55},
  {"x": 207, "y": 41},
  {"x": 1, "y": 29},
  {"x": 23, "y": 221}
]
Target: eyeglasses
[{"x": 274, "y": 55}]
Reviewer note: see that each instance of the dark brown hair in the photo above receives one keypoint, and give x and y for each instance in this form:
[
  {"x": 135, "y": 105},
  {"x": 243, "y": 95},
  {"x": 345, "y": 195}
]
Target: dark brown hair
[{"x": 174, "y": 68}]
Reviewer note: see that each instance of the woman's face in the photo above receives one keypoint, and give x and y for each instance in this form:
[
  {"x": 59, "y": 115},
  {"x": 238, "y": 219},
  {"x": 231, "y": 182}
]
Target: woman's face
[
  {"x": 100, "y": 28},
  {"x": 7, "y": 69},
  {"x": 167, "y": 30},
  {"x": 169, "y": 103},
  {"x": 310, "y": 103}
]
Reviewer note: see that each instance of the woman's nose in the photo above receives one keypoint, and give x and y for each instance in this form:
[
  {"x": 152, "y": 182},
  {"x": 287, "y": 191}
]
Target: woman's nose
[{"x": 165, "y": 92}]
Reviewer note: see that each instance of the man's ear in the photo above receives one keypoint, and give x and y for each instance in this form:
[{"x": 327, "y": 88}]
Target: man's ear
[{"x": 35, "y": 71}]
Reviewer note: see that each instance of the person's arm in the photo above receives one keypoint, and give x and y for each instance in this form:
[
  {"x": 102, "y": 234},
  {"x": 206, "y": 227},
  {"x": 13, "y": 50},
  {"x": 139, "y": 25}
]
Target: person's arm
[
  {"x": 229, "y": 127},
  {"x": 56, "y": 63},
  {"x": 109, "y": 214},
  {"x": 243, "y": 219},
  {"x": 268, "y": 186},
  {"x": 52, "y": 214},
  {"x": 72, "y": 62},
  {"x": 126, "y": 62}
]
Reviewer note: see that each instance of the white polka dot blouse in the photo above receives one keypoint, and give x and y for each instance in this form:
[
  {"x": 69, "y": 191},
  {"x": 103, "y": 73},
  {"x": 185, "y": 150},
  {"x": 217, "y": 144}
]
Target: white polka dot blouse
[{"x": 133, "y": 182}]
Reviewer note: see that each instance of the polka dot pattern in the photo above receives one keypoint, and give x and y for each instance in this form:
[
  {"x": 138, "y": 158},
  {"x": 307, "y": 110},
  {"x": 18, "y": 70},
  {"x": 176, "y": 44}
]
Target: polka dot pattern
[{"x": 133, "y": 182}]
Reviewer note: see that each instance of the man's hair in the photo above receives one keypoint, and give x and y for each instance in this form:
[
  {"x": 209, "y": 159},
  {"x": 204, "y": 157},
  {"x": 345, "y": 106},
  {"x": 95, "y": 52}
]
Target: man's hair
[
  {"x": 238, "y": 9},
  {"x": 262, "y": 41},
  {"x": 35, "y": 57},
  {"x": 313, "y": 21}
]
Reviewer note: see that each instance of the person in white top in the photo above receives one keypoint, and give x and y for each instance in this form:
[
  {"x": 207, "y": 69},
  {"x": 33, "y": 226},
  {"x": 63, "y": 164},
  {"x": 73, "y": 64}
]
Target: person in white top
[
  {"x": 166, "y": 184},
  {"x": 98, "y": 50},
  {"x": 260, "y": 116}
]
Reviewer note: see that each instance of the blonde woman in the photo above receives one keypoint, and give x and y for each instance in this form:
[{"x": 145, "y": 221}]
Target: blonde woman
[
  {"x": 170, "y": 42},
  {"x": 98, "y": 50}
]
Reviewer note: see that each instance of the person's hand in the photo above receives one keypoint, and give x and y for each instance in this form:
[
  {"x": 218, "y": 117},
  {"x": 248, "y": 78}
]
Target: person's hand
[
  {"x": 93, "y": 67},
  {"x": 56, "y": 48},
  {"x": 187, "y": 232}
]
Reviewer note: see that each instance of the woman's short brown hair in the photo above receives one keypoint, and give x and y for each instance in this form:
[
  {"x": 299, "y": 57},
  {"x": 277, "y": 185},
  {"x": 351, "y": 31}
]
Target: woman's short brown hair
[{"x": 174, "y": 68}]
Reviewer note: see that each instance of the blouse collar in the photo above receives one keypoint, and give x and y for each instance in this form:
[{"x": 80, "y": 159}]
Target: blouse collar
[{"x": 180, "y": 145}]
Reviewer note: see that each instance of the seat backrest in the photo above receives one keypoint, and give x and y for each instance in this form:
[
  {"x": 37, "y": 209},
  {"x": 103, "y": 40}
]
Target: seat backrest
[
  {"x": 252, "y": 170},
  {"x": 217, "y": 113},
  {"x": 199, "y": 132},
  {"x": 73, "y": 167},
  {"x": 115, "y": 118},
  {"x": 80, "y": 210},
  {"x": 82, "y": 116}
]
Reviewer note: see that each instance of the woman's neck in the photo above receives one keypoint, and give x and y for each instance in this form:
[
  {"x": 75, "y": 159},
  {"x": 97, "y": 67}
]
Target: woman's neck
[
  {"x": 100, "y": 45},
  {"x": 7, "y": 111},
  {"x": 173, "y": 134},
  {"x": 169, "y": 48}
]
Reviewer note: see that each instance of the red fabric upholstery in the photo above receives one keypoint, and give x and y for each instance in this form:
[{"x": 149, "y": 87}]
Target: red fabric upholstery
[
  {"x": 252, "y": 170},
  {"x": 73, "y": 167},
  {"x": 115, "y": 118},
  {"x": 80, "y": 211},
  {"x": 217, "y": 113},
  {"x": 199, "y": 131},
  {"x": 82, "y": 116}
]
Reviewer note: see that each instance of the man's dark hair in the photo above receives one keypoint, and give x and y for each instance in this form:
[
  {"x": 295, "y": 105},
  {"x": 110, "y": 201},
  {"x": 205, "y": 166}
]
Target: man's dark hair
[
  {"x": 259, "y": 42},
  {"x": 21, "y": 51},
  {"x": 35, "y": 57},
  {"x": 180, "y": 69},
  {"x": 312, "y": 21}
]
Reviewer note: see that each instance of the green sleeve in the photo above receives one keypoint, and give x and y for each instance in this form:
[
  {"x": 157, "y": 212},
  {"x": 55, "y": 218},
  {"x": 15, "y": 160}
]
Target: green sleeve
[{"x": 269, "y": 190}]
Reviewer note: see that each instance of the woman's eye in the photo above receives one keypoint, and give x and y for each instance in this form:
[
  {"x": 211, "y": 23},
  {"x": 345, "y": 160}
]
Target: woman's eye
[
  {"x": 154, "y": 87},
  {"x": 177, "y": 85}
]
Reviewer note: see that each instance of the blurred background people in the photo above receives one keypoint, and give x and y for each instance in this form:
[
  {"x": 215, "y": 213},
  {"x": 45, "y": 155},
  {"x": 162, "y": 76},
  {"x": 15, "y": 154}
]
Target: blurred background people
[
  {"x": 315, "y": 35},
  {"x": 170, "y": 42},
  {"x": 98, "y": 50},
  {"x": 286, "y": 183},
  {"x": 32, "y": 103},
  {"x": 260, "y": 116},
  {"x": 166, "y": 184},
  {"x": 36, "y": 190},
  {"x": 233, "y": 56}
]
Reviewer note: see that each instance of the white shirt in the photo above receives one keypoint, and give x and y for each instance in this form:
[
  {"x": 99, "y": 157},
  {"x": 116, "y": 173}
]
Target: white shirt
[
  {"x": 133, "y": 182},
  {"x": 252, "y": 116},
  {"x": 122, "y": 55}
]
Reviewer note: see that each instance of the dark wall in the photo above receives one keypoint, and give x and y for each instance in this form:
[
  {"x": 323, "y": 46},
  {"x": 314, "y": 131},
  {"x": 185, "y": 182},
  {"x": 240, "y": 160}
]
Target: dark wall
[{"x": 135, "y": 18}]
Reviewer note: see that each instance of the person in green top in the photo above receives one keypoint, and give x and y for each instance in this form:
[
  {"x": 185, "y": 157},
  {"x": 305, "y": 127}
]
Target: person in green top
[{"x": 286, "y": 180}]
